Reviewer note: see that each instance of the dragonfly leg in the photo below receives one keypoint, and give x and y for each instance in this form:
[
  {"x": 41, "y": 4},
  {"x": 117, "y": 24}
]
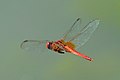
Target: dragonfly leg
[{"x": 61, "y": 52}]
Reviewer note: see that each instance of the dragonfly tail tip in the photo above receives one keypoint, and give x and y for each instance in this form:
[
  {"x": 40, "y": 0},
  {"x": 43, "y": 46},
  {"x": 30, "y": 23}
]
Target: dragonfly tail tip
[{"x": 91, "y": 60}]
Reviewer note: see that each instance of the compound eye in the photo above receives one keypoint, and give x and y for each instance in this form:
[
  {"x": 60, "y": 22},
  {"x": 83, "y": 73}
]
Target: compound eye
[{"x": 48, "y": 45}]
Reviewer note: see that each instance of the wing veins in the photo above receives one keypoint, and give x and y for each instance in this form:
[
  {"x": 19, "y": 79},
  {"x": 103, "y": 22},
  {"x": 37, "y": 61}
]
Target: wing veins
[
  {"x": 78, "y": 19},
  {"x": 82, "y": 31}
]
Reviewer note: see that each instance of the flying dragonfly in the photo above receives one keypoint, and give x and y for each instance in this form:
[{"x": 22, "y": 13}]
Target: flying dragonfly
[{"x": 70, "y": 42}]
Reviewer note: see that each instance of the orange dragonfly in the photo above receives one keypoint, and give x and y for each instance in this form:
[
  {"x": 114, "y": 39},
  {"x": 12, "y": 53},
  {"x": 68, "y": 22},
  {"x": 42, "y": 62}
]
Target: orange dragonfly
[{"x": 72, "y": 40}]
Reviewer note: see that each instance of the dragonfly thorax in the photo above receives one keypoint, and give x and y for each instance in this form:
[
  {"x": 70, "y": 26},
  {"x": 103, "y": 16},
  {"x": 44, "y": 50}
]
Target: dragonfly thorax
[{"x": 55, "y": 47}]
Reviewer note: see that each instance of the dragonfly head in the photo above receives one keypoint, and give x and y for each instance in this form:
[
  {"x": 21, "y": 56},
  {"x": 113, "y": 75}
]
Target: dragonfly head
[{"x": 49, "y": 45}]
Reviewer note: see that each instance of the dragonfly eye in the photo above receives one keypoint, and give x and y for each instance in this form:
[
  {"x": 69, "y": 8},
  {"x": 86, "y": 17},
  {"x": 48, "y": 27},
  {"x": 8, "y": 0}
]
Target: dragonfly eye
[{"x": 48, "y": 45}]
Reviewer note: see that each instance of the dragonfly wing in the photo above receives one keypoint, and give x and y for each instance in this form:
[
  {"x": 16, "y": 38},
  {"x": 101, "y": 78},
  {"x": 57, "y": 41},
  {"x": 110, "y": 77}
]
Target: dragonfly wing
[
  {"x": 34, "y": 45},
  {"x": 75, "y": 28},
  {"x": 84, "y": 35}
]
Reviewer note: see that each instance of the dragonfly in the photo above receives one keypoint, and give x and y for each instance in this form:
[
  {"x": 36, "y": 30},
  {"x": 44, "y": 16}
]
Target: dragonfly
[{"x": 72, "y": 40}]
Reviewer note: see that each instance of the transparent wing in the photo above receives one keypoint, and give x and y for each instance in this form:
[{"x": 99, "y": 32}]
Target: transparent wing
[
  {"x": 34, "y": 45},
  {"x": 75, "y": 28},
  {"x": 83, "y": 36}
]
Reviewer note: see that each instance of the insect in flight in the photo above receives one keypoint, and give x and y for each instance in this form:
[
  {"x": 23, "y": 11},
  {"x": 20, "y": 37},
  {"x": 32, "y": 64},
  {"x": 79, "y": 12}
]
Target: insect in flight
[{"x": 72, "y": 40}]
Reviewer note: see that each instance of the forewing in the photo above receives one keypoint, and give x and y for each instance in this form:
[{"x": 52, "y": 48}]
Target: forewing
[
  {"x": 85, "y": 34},
  {"x": 74, "y": 29},
  {"x": 34, "y": 45}
]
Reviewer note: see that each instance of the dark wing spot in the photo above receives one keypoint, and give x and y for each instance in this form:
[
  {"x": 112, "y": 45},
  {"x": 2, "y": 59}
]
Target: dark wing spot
[{"x": 25, "y": 41}]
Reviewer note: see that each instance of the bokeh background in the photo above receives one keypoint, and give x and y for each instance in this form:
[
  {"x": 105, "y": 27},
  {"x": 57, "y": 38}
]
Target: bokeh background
[{"x": 49, "y": 19}]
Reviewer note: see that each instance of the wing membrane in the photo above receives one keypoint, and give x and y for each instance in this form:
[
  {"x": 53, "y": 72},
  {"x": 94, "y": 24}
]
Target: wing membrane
[
  {"x": 75, "y": 28},
  {"x": 84, "y": 35},
  {"x": 34, "y": 45},
  {"x": 79, "y": 36}
]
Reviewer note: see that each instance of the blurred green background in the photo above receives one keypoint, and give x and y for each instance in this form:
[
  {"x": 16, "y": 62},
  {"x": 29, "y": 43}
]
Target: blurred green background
[{"x": 49, "y": 19}]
